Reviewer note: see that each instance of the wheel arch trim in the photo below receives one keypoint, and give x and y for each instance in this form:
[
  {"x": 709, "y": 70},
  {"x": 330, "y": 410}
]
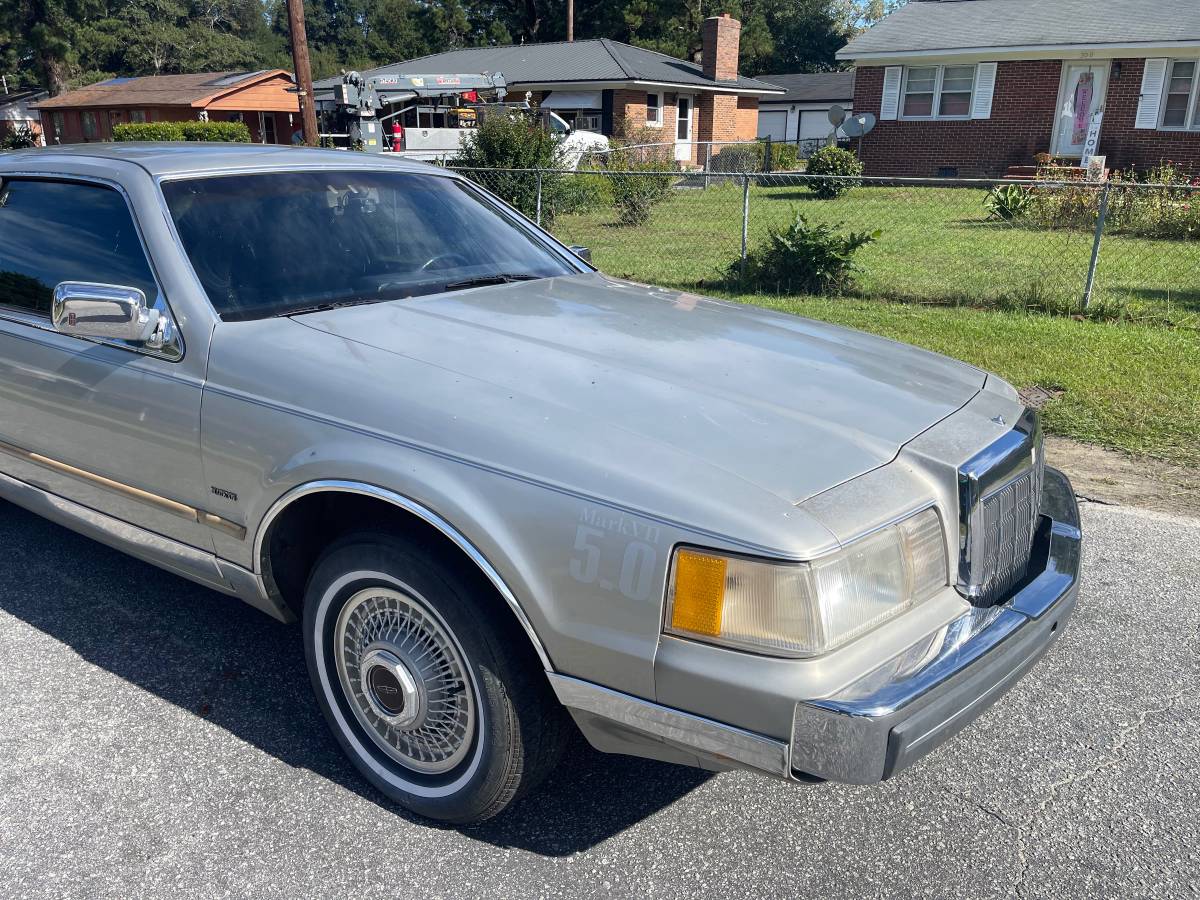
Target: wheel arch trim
[{"x": 427, "y": 515}]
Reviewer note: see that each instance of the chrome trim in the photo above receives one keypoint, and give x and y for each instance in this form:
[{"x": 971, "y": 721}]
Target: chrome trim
[
  {"x": 268, "y": 588},
  {"x": 165, "y": 504},
  {"x": 109, "y": 312},
  {"x": 1000, "y": 464},
  {"x": 695, "y": 733},
  {"x": 165, "y": 553},
  {"x": 173, "y": 348},
  {"x": 847, "y": 737}
]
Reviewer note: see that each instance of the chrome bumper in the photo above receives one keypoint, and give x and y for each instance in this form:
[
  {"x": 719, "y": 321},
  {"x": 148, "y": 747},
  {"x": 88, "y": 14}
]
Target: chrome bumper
[{"x": 912, "y": 703}]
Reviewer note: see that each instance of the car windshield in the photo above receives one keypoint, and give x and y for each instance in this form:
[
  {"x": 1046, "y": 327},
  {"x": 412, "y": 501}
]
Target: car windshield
[{"x": 283, "y": 243}]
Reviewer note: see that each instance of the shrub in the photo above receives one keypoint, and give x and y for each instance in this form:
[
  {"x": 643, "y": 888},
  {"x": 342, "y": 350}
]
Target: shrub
[
  {"x": 643, "y": 172},
  {"x": 585, "y": 192},
  {"x": 148, "y": 131},
  {"x": 738, "y": 158},
  {"x": 1008, "y": 202},
  {"x": 19, "y": 138},
  {"x": 833, "y": 161},
  {"x": 785, "y": 157},
  {"x": 505, "y": 142},
  {"x": 222, "y": 132},
  {"x": 803, "y": 259}
]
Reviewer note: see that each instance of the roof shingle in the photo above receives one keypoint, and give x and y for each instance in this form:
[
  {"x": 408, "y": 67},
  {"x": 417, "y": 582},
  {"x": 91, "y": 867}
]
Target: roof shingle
[{"x": 156, "y": 90}]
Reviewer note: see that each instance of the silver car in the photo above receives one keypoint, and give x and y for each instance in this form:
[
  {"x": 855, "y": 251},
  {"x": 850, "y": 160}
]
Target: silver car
[{"x": 505, "y": 495}]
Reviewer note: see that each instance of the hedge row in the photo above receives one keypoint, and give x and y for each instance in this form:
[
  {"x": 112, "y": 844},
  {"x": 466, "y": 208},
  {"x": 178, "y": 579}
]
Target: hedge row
[{"x": 225, "y": 132}]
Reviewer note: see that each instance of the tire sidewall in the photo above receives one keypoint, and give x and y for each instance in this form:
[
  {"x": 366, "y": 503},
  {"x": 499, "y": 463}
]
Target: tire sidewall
[{"x": 468, "y": 790}]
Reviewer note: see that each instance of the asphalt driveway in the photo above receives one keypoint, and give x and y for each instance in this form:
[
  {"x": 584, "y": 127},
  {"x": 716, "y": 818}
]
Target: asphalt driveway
[{"x": 157, "y": 739}]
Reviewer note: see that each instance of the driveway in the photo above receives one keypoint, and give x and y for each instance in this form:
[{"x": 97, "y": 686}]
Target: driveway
[{"x": 157, "y": 739}]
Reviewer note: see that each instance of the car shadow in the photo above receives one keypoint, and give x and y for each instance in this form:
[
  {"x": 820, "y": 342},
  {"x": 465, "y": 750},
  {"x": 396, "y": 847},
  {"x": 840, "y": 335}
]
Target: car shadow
[{"x": 227, "y": 663}]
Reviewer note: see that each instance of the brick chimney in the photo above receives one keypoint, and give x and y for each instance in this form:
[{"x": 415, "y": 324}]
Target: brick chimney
[{"x": 721, "y": 36}]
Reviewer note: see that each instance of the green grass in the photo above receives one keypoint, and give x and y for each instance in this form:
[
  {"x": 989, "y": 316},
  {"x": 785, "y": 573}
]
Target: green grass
[
  {"x": 937, "y": 246},
  {"x": 1133, "y": 386}
]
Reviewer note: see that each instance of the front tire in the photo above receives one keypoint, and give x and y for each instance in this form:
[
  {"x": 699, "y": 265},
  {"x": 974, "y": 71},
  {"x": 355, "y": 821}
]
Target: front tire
[{"x": 422, "y": 680}]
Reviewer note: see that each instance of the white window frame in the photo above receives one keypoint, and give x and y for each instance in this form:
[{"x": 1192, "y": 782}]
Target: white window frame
[
  {"x": 937, "y": 93},
  {"x": 1192, "y": 120},
  {"x": 658, "y": 97}
]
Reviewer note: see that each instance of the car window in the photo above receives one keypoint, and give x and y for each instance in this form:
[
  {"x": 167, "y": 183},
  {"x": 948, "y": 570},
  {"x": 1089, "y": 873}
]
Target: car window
[
  {"x": 283, "y": 242},
  {"x": 53, "y": 231}
]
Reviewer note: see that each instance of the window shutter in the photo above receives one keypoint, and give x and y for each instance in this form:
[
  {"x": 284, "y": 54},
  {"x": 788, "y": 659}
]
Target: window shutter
[
  {"x": 889, "y": 107},
  {"x": 1153, "y": 78},
  {"x": 985, "y": 87}
]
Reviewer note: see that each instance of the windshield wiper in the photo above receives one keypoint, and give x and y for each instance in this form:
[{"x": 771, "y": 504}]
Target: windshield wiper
[
  {"x": 326, "y": 307},
  {"x": 484, "y": 280}
]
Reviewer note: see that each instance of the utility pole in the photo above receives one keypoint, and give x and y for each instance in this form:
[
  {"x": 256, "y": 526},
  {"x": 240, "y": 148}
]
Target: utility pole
[
  {"x": 570, "y": 20},
  {"x": 308, "y": 110}
]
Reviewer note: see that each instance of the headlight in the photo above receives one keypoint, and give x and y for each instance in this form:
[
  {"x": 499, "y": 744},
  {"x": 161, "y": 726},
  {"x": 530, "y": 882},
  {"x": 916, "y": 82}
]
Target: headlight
[{"x": 805, "y": 609}]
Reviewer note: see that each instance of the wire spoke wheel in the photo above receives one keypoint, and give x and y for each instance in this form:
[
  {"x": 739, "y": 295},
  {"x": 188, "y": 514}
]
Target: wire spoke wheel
[{"x": 406, "y": 680}]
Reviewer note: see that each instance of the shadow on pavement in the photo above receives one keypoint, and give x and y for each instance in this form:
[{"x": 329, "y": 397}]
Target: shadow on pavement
[{"x": 241, "y": 670}]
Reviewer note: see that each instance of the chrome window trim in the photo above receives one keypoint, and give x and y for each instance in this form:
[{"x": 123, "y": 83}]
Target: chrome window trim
[
  {"x": 173, "y": 349},
  {"x": 337, "y": 486}
]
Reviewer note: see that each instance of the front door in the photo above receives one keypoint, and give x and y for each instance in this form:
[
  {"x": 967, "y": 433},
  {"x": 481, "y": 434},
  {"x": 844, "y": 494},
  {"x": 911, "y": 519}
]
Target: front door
[
  {"x": 1082, "y": 96},
  {"x": 105, "y": 425},
  {"x": 683, "y": 129}
]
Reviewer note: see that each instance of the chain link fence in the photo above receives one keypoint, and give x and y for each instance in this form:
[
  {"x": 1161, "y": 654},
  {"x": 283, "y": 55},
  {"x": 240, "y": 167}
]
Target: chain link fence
[{"x": 1110, "y": 250}]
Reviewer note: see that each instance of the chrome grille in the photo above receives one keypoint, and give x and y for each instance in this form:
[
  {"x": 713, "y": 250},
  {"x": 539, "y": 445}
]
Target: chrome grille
[{"x": 1000, "y": 495}]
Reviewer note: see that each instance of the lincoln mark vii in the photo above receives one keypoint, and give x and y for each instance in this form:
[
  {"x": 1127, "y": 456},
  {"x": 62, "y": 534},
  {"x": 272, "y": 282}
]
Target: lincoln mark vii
[{"x": 504, "y": 495}]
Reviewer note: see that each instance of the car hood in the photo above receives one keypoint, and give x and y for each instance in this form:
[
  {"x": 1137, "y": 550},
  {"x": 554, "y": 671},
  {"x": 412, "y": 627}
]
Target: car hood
[{"x": 791, "y": 405}]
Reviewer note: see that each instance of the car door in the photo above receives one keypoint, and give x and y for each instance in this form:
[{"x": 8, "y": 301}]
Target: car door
[{"x": 111, "y": 425}]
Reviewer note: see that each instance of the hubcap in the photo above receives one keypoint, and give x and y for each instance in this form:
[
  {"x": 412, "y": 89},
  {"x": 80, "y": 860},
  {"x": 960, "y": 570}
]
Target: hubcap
[{"x": 405, "y": 679}]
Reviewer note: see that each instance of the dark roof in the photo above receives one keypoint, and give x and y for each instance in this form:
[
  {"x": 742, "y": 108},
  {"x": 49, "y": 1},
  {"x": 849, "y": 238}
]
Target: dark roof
[
  {"x": 575, "y": 62},
  {"x": 814, "y": 88},
  {"x": 20, "y": 97},
  {"x": 159, "y": 90},
  {"x": 932, "y": 25}
]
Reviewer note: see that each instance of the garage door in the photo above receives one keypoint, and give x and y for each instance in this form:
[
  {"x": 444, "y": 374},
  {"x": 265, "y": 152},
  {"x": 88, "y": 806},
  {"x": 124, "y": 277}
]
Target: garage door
[{"x": 773, "y": 124}]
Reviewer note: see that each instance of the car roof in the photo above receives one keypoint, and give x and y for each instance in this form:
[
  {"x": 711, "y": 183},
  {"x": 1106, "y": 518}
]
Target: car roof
[{"x": 173, "y": 158}]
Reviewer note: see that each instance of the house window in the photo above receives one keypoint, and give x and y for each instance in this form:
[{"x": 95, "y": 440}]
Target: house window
[
  {"x": 938, "y": 92},
  {"x": 654, "y": 109},
  {"x": 137, "y": 115},
  {"x": 587, "y": 120},
  {"x": 59, "y": 122},
  {"x": 87, "y": 121},
  {"x": 1181, "y": 105}
]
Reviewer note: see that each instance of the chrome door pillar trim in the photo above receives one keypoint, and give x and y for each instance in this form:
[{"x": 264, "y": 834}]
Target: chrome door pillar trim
[
  {"x": 191, "y": 513},
  {"x": 337, "y": 486}
]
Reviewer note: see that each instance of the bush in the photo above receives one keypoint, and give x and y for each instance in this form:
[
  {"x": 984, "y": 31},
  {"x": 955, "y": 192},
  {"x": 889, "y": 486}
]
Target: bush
[
  {"x": 833, "y": 161},
  {"x": 643, "y": 172},
  {"x": 785, "y": 157},
  {"x": 221, "y": 132},
  {"x": 225, "y": 132},
  {"x": 585, "y": 192},
  {"x": 148, "y": 131},
  {"x": 19, "y": 138},
  {"x": 803, "y": 259},
  {"x": 504, "y": 142},
  {"x": 738, "y": 158},
  {"x": 1008, "y": 202}
]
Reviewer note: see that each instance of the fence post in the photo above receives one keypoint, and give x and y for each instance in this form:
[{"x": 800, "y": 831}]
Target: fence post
[
  {"x": 1100, "y": 217},
  {"x": 539, "y": 197},
  {"x": 745, "y": 219},
  {"x": 707, "y": 161}
]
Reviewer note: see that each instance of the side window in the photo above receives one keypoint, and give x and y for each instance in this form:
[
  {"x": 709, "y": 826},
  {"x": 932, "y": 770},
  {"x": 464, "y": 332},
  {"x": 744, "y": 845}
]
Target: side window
[{"x": 52, "y": 231}]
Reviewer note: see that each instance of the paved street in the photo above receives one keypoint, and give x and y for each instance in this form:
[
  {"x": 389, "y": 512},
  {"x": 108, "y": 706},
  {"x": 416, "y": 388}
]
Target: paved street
[{"x": 158, "y": 739}]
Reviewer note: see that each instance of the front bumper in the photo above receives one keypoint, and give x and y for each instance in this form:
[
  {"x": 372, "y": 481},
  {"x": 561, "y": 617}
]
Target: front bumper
[{"x": 897, "y": 712}]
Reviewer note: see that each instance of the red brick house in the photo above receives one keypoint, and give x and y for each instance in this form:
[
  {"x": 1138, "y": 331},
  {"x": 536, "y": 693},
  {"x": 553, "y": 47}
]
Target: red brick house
[
  {"x": 265, "y": 101},
  {"x": 598, "y": 85},
  {"x": 972, "y": 87}
]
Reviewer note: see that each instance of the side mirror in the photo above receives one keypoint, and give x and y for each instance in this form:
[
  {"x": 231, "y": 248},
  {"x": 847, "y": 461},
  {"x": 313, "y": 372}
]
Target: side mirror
[
  {"x": 107, "y": 311},
  {"x": 582, "y": 252}
]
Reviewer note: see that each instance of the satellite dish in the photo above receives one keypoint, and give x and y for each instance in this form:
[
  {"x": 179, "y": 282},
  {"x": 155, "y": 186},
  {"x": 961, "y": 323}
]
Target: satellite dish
[
  {"x": 837, "y": 115},
  {"x": 857, "y": 126}
]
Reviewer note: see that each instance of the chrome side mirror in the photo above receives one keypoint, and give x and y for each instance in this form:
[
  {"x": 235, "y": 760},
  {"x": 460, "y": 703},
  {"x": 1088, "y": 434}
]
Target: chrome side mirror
[
  {"x": 582, "y": 252},
  {"x": 107, "y": 311}
]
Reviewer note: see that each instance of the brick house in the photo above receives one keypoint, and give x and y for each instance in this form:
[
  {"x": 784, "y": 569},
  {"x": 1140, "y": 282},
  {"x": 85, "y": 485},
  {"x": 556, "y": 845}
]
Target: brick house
[
  {"x": 18, "y": 111},
  {"x": 265, "y": 101},
  {"x": 973, "y": 87},
  {"x": 600, "y": 85}
]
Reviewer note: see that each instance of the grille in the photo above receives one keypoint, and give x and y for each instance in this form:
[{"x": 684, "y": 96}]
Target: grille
[{"x": 1001, "y": 494}]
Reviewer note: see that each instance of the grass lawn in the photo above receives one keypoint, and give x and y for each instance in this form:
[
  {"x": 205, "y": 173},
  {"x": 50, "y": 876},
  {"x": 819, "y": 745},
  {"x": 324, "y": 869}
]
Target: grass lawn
[
  {"x": 937, "y": 246},
  {"x": 1132, "y": 386}
]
